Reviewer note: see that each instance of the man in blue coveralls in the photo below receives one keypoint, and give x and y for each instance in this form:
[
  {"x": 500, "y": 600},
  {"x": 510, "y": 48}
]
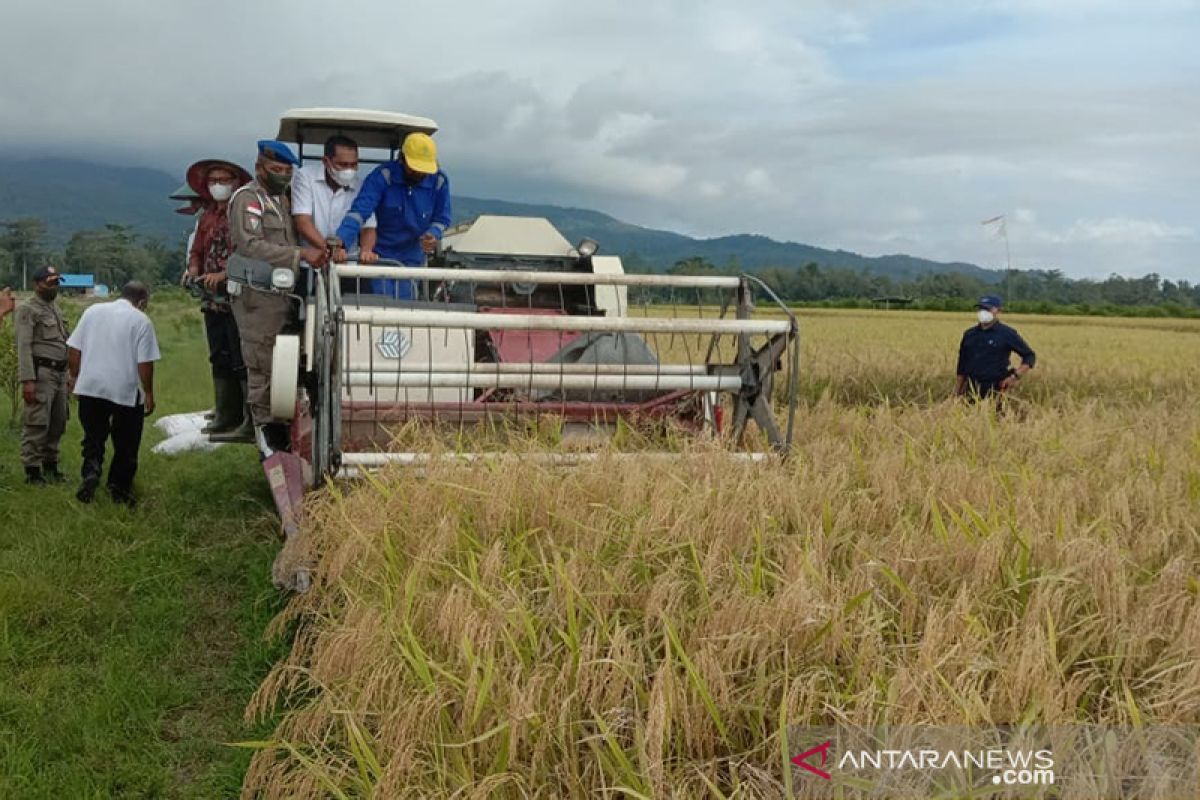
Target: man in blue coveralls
[{"x": 410, "y": 198}]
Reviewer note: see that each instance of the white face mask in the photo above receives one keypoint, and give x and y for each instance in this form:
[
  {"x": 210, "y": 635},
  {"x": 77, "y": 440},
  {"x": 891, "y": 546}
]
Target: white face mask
[
  {"x": 344, "y": 177},
  {"x": 986, "y": 317},
  {"x": 220, "y": 191}
]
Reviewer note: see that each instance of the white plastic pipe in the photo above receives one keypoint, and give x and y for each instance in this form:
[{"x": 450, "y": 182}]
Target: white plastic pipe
[
  {"x": 538, "y": 276},
  {"x": 422, "y": 318},
  {"x": 357, "y": 461},
  {"x": 485, "y": 380},
  {"x": 528, "y": 367}
]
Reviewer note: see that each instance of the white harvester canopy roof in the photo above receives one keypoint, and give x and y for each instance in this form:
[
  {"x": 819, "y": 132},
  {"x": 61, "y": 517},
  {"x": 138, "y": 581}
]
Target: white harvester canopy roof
[
  {"x": 511, "y": 236},
  {"x": 381, "y": 130}
]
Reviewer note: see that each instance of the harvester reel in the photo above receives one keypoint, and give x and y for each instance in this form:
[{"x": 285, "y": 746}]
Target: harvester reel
[
  {"x": 324, "y": 400},
  {"x": 572, "y": 349},
  {"x": 754, "y": 400}
]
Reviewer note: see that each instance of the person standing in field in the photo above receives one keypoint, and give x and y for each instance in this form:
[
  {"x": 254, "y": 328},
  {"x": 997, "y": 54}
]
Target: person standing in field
[
  {"x": 410, "y": 199},
  {"x": 214, "y": 182},
  {"x": 985, "y": 354},
  {"x": 41, "y": 335},
  {"x": 112, "y": 355}
]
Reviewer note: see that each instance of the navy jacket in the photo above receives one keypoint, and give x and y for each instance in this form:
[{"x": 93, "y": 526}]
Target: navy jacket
[{"x": 985, "y": 353}]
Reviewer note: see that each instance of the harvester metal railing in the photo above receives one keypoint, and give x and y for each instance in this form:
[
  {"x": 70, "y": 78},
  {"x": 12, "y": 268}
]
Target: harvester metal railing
[
  {"x": 390, "y": 381},
  {"x": 538, "y": 276},
  {"x": 520, "y": 322}
]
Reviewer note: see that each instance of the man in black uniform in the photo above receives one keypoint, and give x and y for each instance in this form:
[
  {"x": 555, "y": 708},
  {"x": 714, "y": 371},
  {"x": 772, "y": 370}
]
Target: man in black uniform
[{"x": 984, "y": 357}]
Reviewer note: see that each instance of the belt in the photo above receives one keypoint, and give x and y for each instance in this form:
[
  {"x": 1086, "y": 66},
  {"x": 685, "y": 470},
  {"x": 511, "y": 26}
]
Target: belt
[{"x": 50, "y": 363}]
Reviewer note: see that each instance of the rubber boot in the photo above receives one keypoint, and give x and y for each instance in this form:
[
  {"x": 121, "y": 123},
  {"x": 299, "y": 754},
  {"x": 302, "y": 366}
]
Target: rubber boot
[
  {"x": 243, "y": 433},
  {"x": 51, "y": 474},
  {"x": 33, "y": 475},
  {"x": 227, "y": 413}
]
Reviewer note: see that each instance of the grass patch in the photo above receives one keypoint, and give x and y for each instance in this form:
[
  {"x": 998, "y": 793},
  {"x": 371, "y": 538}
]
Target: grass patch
[{"x": 130, "y": 641}]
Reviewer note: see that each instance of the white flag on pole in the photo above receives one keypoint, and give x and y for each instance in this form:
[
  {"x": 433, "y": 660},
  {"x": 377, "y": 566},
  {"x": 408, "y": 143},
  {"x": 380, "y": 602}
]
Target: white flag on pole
[{"x": 1001, "y": 226}]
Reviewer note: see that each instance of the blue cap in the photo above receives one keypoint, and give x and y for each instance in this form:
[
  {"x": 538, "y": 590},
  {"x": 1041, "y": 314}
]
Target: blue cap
[
  {"x": 277, "y": 151},
  {"x": 989, "y": 301}
]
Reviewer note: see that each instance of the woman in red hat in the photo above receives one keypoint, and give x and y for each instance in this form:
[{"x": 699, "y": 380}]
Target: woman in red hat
[{"x": 215, "y": 181}]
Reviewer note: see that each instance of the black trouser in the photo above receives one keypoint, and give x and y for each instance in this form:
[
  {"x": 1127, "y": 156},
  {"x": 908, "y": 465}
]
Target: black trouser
[
  {"x": 100, "y": 419},
  {"x": 224, "y": 344}
]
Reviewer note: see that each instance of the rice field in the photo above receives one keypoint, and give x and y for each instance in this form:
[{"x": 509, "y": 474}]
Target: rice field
[{"x": 651, "y": 629}]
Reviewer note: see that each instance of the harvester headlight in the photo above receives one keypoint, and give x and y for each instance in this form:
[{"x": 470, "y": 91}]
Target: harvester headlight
[{"x": 587, "y": 248}]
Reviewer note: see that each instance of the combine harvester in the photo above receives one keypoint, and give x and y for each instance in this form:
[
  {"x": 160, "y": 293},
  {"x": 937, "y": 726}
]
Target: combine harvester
[{"x": 512, "y": 324}]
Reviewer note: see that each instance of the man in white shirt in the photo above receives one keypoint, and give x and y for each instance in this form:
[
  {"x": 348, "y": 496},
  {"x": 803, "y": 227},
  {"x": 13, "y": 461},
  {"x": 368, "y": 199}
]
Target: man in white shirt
[
  {"x": 111, "y": 359},
  {"x": 323, "y": 193}
]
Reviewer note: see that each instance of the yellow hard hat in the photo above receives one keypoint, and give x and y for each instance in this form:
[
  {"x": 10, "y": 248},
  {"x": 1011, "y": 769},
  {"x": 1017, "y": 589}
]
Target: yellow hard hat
[{"x": 420, "y": 153}]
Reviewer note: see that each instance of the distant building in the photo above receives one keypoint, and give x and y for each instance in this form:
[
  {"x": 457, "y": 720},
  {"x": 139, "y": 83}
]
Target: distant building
[
  {"x": 892, "y": 302},
  {"x": 77, "y": 284}
]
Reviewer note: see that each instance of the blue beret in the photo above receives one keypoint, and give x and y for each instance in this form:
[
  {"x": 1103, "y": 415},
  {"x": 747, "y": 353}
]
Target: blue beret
[{"x": 277, "y": 151}]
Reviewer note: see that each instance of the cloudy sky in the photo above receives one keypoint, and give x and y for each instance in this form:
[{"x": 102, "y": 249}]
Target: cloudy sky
[{"x": 873, "y": 126}]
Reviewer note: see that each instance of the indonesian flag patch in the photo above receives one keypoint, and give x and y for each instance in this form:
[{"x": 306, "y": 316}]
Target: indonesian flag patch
[{"x": 253, "y": 215}]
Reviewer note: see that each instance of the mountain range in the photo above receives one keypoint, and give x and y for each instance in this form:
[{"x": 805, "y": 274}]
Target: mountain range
[{"x": 72, "y": 195}]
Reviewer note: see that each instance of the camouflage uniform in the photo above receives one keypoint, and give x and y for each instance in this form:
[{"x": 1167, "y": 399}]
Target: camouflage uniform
[
  {"x": 261, "y": 228},
  {"x": 42, "y": 357}
]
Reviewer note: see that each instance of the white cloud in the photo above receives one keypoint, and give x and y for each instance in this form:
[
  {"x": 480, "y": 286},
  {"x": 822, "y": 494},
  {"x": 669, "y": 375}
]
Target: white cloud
[
  {"x": 1121, "y": 230},
  {"x": 861, "y": 124},
  {"x": 757, "y": 181}
]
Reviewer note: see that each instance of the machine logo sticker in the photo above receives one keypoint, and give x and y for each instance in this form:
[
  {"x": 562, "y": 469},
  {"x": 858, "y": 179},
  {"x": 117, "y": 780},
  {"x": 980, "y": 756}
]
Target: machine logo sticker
[{"x": 393, "y": 344}]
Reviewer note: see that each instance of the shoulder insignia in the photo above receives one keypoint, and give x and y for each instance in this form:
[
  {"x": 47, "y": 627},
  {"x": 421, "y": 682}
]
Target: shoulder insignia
[{"x": 254, "y": 212}]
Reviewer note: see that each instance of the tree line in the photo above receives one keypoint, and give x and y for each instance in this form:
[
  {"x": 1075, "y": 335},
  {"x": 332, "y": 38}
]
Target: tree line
[
  {"x": 114, "y": 254},
  {"x": 1045, "y": 291}
]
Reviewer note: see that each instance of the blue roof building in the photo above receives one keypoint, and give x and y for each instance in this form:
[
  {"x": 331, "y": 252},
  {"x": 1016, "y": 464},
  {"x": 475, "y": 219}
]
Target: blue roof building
[{"x": 77, "y": 283}]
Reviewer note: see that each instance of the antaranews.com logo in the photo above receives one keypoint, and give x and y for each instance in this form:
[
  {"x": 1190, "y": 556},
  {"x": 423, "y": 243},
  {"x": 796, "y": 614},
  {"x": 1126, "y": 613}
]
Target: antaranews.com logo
[
  {"x": 1008, "y": 767},
  {"x": 1093, "y": 761}
]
